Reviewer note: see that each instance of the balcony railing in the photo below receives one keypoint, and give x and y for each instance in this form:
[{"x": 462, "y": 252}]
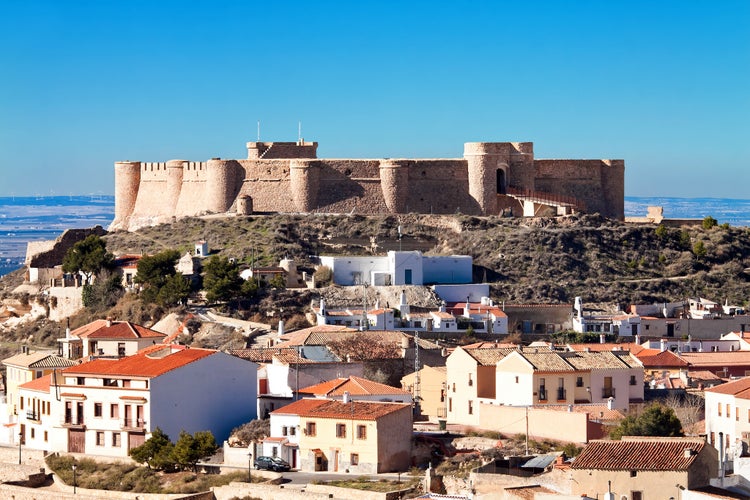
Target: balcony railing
[
  {"x": 442, "y": 412},
  {"x": 32, "y": 415},
  {"x": 561, "y": 394},
  {"x": 133, "y": 423},
  {"x": 73, "y": 421},
  {"x": 608, "y": 392},
  {"x": 542, "y": 394}
]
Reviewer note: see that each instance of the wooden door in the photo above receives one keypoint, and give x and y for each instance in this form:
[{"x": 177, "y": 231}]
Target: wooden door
[
  {"x": 76, "y": 441},
  {"x": 135, "y": 439}
]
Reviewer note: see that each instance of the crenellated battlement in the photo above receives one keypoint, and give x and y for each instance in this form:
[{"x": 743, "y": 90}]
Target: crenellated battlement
[{"x": 288, "y": 177}]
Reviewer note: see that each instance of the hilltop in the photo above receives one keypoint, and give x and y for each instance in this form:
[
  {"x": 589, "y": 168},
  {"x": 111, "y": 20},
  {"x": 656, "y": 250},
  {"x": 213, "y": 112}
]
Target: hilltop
[{"x": 525, "y": 260}]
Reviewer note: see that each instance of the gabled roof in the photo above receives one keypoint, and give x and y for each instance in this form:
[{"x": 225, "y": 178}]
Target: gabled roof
[
  {"x": 609, "y": 346},
  {"x": 484, "y": 356},
  {"x": 555, "y": 361},
  {"x": 640, "y": 453},
  {"x": 38, "y": 360},
  {"x": 737, "y": 388},
  {"x": 663, "y": 359},
  {"x": 724, "y": 358},
  {"x": 148, "y": 363},
  {"x": 355, "y": 386},
  {"x": 40, "y": 384},
  {"x": 288, "y": 355},
  {"x": 353, "y": 410},
  {"x": 116, "y": 330}
]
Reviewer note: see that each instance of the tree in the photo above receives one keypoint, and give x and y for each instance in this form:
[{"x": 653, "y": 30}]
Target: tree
[
  {"x": 709, "y": 222},
  {"x": 661, "y": 231},
  {"x": 253, "y": 431},
  {"x": 222, "y": 281},
  {"x": 362, "y": 347},
  {"x": 278, "y": 282},
  {"x": 155, "y": 452},
  {"x": 699, "y": 249},
  {"x": 104, "y": 292},
  {"x": 154, "y": 272},
  {"x": 87, "y": 256},
  {"x": 188, "y": 450},
  {"x": 656, "y": 420}
]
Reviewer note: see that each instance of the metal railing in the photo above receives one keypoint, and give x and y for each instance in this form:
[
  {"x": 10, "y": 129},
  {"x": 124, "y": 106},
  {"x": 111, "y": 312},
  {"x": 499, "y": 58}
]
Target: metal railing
[{"x": 608, "y": 392}]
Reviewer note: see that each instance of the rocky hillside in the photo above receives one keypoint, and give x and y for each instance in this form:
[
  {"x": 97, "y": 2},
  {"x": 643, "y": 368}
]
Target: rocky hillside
[{"x": 525, "y": 260}]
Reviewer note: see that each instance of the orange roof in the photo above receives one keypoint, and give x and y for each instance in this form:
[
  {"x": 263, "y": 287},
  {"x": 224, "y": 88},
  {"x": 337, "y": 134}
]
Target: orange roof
[
  {"x": 723, "y": 358},
  {"x": 664, "y": 359},
  {"x": 151, "y": 362},
  {"x": 737, "y": 388},
  {"x": 117, "y": 330},
  {"x": 608, "y": 346},
  {"x": 328, "y": 408},
  {"x": 356, "y": 386},
  {"x": 40, "y": 384},
  {"x": 640, "y": 453}
]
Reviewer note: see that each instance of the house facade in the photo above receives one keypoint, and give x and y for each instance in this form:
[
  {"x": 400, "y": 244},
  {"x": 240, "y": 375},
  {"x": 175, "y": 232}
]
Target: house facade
[
  {"x": 106, "y": 407},
  {"x": 429, "y": 387},
  {"x": 25, "y": 367},
  {"x": 728, "y": 419},
  {"x": 107, "y": 338}
]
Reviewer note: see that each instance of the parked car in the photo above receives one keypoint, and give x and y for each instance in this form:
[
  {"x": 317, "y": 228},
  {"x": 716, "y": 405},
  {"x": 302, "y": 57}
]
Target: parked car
[{"x": 272, "y": 463}]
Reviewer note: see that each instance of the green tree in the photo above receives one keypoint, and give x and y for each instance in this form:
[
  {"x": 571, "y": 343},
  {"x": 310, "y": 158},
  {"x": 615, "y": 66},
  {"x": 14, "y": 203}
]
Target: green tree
[
  {"x": 250, "y": 288},
  {"x": 277, "y": 282},
  {"x": 709, "y": 222},
  {"x": 87, "y": 256},
  {"x": 176, "y": 290},
  {"x": 154, "y": 271},
  {"x": 155, "y": 452},
  {"x": 661, "y": 231},
  {"x": 104, "y": 292},
  {"x": 699, "y": 250},
  {"x": 222, "y": 281},
  {"x": 656, "y": 420}
]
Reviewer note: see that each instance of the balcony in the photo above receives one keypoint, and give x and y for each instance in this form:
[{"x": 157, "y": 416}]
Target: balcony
[
  {"x": 133, "y": 424},
  {"x": 542, "y": 394},
  {"x": 561, "y": 394},
  {"x": 32, "y": 415},
  {"x": 73, "y": 422},
  {"x": 442, "y": 412},
  {"x": 608, "y": 392}
]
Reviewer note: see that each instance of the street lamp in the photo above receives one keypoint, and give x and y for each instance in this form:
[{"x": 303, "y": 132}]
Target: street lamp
[
  {"x": 249, "y": 467},
  {"x": 74, "y": 467},
  {"x": 20, "y": 439}
]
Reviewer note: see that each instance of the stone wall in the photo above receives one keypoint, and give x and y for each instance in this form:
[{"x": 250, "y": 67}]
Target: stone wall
[{"x": 287, "y": 177}]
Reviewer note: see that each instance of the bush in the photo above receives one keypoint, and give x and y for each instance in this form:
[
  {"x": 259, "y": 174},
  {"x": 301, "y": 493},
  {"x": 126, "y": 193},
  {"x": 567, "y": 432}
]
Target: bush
[
  {"x": 709, "y": 222},
  {"x": 323, "y": 276}
]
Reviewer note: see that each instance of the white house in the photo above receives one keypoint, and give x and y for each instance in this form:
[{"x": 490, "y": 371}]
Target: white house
[
  {"x": 107, "y": 338},
  {"x": 728, "y": 419},
  {"x": 108, "y": 406},
  {"x": 399, "y": 268}
]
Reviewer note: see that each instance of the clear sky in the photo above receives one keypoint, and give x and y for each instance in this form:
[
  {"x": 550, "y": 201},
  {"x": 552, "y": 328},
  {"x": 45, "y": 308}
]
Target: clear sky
[{"x": 664, "y": 85}]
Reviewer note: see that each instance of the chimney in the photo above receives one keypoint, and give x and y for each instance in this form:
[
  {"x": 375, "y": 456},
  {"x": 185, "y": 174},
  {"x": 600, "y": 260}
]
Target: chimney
[
  {"x": 109, "y": 322},
  {"x": 610, "y": 403},
  {"x": 638, "y": 339},
  {"x": 602, "y": 338},
  {"x": 663, "y": 345},
  {"x": 570, "y": 408},
  {"x": 281, "y": 327},
  {"x": 345, "y": 399},
  {"x": 322, "y": 306}
]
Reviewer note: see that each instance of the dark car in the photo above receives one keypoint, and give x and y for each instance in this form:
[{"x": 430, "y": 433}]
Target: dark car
[{"x": 272, "y": 463}]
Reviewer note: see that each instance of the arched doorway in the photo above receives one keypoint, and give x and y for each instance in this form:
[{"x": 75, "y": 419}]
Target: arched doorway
[{"x": 501, "y": 181}]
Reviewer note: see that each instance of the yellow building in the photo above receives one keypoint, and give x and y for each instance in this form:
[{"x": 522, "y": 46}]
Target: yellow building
[
  {"x": 26, "y": 367},
  {"x": 361, "y": 437},
  {"x": 432, "y": 388}
]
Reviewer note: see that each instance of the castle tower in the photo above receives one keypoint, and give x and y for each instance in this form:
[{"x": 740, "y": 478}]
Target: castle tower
[
  {"x": 488, "y": 172},
  {"x": 304, "y": 177},
  {"x": 394, "y": 181},
  {"x": 219, "y": 185},
  {"x": 521, "y": 172},
  {"x": 613, "y": 188},
  {"x": 175, "y": 169},
  {"x": 127, "y": 182}
]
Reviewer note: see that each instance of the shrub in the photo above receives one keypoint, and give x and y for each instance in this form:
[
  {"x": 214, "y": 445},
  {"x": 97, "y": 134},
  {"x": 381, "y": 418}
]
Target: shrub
[
  {"x": 323, "y": 276},
  {"x": 709, "y": 222}
]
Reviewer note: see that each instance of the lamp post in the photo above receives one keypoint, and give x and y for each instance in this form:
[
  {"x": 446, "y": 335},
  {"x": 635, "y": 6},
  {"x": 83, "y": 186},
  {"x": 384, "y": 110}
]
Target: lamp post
[
  {"x": 249, "y": 467},
  {"x": 20, "y": 439},
  {"x": 74, "y": 467}
]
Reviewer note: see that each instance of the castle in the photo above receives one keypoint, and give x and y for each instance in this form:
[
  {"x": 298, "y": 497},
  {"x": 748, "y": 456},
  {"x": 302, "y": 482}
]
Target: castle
[{"x": 492, "y": 178}]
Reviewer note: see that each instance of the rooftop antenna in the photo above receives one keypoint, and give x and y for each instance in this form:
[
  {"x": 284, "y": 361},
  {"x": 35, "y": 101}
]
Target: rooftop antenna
[{"x": 258, "y": 130}]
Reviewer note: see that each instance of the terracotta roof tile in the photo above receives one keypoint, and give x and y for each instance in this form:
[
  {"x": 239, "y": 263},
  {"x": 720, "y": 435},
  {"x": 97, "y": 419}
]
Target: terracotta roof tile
[
  {"x": 151, "y": 362},
  {"x": 299, "y": 407},
  {"x": 485, "y": 356},
  {"x": 40, "y": 384},
  {"x": 356, "y": 386},
  {"x": 357, "y": 410},
  {"x": 609, "y": 346},
  {"x": 117, "y": 330},
  {"x": 638, "y": 453},
  {"x": 737, "y": 388},
  {"x": 724, "y": 358},
  {"x": 664, "y": 359},
  {"x": 38, "y": 359}
]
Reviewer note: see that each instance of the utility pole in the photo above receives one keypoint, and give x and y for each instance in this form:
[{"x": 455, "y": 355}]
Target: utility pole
[
  {"x": 417, "y": 388},
  {"x": 527, "y": 431}
]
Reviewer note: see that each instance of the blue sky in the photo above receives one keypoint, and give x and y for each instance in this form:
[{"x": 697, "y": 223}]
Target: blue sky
[{"x": 663, "y": 85}]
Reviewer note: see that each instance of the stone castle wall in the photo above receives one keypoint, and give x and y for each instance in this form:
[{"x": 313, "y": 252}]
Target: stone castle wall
[{"x": 287, "y": 177}]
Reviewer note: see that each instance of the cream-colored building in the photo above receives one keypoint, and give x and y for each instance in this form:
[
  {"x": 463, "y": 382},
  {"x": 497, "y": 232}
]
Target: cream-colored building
[
  {"x": 361, "y": 437},
  {"x": 432, "y": 388},
  {"x": 643, "y": 468},
  {"x": 25, "y": 367},
  {"x": 550, "y": 377},
  {"x": 728, "y": 418}
]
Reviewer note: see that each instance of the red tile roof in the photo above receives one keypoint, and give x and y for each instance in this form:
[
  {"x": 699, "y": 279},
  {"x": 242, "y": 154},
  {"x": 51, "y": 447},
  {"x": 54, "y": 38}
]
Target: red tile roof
[
  {"x": 40, "y": 384},
  {"x": 355, "y": 386},
  {"x": 299, "y": 407},
  {"x": 608, "y": 346},
  {"x": 640, "y": 453},
  {"x": 737, "y": 388},
  {"x": 357, "y": 410},
  {"x": 664, "y": 359},
  {"x": 150, "y": 362},
  {"x": 117, "y": 330},
  {"x": 722, "y": 359}
]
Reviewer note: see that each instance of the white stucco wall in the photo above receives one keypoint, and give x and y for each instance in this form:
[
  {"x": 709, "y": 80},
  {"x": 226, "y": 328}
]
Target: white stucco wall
[
  {"x": 344, "y": 268},
  {"x": 401, "y": 262},
  {"x": 447, "y": 269}
]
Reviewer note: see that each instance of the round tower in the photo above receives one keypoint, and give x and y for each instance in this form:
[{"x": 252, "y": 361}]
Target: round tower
[
  {"x": 394, "y": 182},
  {"x": 127, "y": 182},
  {"x": 218, "y": 179},
  {"x": 304, "y": 176},
  {"x": 522, "y": 173},
  {"x": 175, "y": 169},
  {"x": 488, "y": 171}
]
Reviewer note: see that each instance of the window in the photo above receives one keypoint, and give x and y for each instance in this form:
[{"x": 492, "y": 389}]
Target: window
[
  {"x": 97, "y": 410},
  {"x": 636, "y": 495},
  {"x": 46, "y": 436},
  {"x": 99, "y": 438},
  {"x": 450, "y": 404},
  {"x": 20, "y": 401},
  {"x": 126, "y": 383},
  {"x": 108, "y": 382},
  {"x": 275, "y": 451},
  {"x": 719, "y": 409},
  {"x": 632, "y": 380},
  {"x": 471, "y": 382},
  {"x": 80, "y": 381},
  {"x": 579, "y": 381},
  {"x": 310, "y": 429},
  {"x": 736, "y": 413},
  {"x": 471, "y": 407},
  {"x": 114, "y": 410},
  {"x": 284, "y": 430},
  {"x": 32, "y": 433},
  {"x": 292, "y": 431},
  {"x": 121, "y": 349},
  {"x": 729, "y": 414},
  {"x": 340, "y": 430},
  {"x": 115, "y": 439},
  {"x": 361, "y": 432},
  {"x": 516, "y": 379},
  {"x": 354, "y": 459},
  {"x": 633, "y": 473},
  {"x": 454, "y": 387}
]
